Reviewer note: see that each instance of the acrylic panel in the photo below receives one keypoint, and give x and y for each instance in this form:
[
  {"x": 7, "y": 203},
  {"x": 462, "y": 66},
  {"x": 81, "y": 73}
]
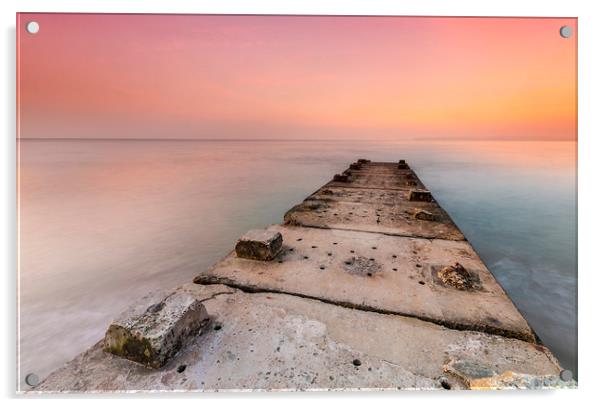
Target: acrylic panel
[{"x": 253, "y": 202}]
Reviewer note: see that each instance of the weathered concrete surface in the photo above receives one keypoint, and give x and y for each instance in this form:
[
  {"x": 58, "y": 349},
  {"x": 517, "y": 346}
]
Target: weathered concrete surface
[
  {"x": 378, "y": 176},
  {"x": 380, "y": 197},
  {"x": 259, "y": 244},
  {"x": 363, "y": 207},
  {"x": 478, "y": 376},
  {"x": 152, "y": 333},
  {"x": 267, "y": 341},
  {"x": 394, "y": 219},
  {"x": 371, "y": 271}
]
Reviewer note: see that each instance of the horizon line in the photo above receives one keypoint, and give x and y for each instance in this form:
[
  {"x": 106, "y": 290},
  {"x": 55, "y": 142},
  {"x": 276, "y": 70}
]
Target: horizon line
[{"x": 274, "y": 139}]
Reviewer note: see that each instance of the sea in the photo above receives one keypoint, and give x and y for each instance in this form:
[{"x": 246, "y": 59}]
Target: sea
[{"x": 104, "y": 221}]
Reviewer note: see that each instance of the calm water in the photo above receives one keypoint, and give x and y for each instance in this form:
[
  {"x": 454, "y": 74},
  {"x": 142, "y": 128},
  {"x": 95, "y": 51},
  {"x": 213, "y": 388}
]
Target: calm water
[{"x": 104, "y": 222}]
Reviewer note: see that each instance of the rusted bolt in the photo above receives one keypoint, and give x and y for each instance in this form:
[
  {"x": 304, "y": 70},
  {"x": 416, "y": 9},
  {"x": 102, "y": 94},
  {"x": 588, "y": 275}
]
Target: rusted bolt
[
  {"x": 421, "y": 214},
  {"x": 420, "y": 195},
  {"x": 402, "y": 165},
  {"x": 456, "y": 276}
]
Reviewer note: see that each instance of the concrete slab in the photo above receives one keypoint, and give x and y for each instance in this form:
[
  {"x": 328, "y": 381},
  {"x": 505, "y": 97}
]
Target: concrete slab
[
  {"x": 372, "y": 271},
  {"x": 378, "y": 176},
  {"x": 283, "y": 342},
  {"x": 397, "y": 218},
  {"x": 383, "y": 197},
  {"x": 152, "y": 334},
  {"x": 259, "y": 244}
]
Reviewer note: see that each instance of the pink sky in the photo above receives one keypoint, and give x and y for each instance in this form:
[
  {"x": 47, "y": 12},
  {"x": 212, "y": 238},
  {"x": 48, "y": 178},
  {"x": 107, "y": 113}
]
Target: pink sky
[{"x": 288, "y": 77}]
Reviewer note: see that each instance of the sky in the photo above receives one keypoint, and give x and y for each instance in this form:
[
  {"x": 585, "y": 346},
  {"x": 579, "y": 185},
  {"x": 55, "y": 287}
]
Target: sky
[{"x": 295, "y": 77}]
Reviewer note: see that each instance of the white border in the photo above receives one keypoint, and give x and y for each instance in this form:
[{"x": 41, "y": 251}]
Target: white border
[{"x": 590, "y": 132}]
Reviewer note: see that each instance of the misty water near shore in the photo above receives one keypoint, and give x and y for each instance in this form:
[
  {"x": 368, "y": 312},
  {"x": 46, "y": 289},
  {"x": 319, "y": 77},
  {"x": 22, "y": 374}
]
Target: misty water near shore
[{"x": 103, "y": 222}]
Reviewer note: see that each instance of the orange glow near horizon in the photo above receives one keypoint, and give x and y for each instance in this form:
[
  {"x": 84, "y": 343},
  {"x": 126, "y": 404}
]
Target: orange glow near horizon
[{"x": 296, "y": 77}]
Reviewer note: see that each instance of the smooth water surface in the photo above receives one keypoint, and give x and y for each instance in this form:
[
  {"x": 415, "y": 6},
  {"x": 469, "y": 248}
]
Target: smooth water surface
[{"x": 103, "y": 222}]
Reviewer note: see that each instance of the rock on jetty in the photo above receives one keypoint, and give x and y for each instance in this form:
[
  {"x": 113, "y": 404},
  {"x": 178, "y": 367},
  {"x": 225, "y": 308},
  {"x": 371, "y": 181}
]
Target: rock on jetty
[{"x": 368, "y": 284}]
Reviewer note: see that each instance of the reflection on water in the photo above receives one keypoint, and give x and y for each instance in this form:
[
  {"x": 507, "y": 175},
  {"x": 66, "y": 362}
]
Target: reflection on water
[{"x": 104, "y": 222}]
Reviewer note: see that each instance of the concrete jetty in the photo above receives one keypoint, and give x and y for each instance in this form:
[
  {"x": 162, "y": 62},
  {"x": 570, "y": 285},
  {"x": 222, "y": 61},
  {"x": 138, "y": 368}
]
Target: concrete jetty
[{"x": 367, "y": 284}]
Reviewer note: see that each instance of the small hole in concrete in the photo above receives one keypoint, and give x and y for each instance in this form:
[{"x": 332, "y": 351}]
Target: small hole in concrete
[
  {"x": 181, "y": 368},
  {"x": 217, "y": 327},
  {"x": 357, "y": 362},
  {"x": 314, "y": 247},
  {"x": 334, "y": 243},
  {"x": 373, "y": 247},
  {"x": 418, "y": 265},
  {"x": 298, "y": 240},
  {"x": 291, "y": 249},
  {"x": 305, "y": 257},
  {"x": 445, "y": 385},
  {"x": 369, "y": 274},
  {"x": 394, "y": 256},
  {"x": 279, "y": 261},
  {"x": 394, "y": 269},
  {"x": 351, "y": 251},
  {"x": 421, "y": 282},
  {"x": 348, "y": 263},
  {"x": 371, "y": 259},
  {"x": 322, "y": 267},
  {"x": 330, "y": 254}
]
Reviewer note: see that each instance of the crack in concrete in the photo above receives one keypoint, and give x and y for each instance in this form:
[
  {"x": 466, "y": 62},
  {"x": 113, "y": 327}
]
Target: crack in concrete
[
  {"x": 212, "y": 280},
  {"x": 215, "y": 295},
  {"x": 392, "y": 234}
]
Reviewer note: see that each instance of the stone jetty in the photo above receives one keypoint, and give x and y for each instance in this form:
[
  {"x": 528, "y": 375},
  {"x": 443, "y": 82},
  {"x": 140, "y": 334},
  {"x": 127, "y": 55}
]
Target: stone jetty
[{"x": 367, "y": 284}]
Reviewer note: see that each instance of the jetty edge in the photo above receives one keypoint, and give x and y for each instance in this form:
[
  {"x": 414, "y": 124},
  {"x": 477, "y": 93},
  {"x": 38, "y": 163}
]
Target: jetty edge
[{"x": 367, "y": 284}]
